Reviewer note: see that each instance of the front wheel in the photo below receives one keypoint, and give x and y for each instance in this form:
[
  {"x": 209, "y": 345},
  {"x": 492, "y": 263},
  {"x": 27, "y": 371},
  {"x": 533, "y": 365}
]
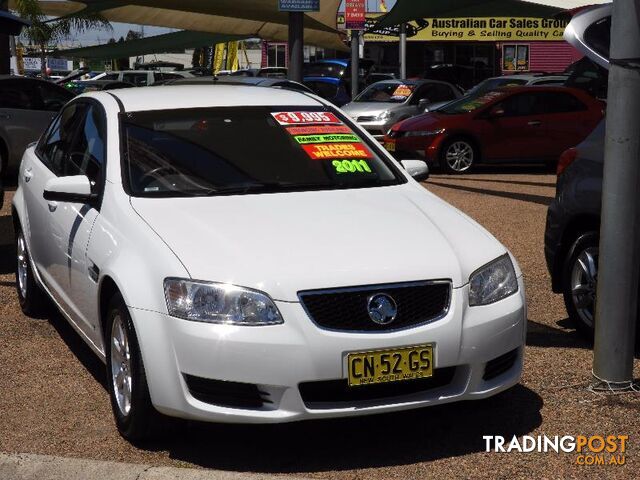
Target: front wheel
[
  {"x": 458, "y": 156},
  {"x": 126, "y": 379},
  {"x": 579, "y": 282}
]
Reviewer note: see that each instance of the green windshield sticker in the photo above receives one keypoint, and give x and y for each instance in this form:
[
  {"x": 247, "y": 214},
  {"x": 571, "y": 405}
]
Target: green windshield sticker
[
  {"x": 351, "y": 166},
  {"x": 305, "y": 139}
]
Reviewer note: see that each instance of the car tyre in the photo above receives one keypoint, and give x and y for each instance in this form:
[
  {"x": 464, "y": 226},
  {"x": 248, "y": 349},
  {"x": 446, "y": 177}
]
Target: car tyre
[
  {"x": 33, "y": 300},
  {"x": 458, "y": 156},
  {"x": 579, "y": 281},
  {"x": 134, "y": 414}
]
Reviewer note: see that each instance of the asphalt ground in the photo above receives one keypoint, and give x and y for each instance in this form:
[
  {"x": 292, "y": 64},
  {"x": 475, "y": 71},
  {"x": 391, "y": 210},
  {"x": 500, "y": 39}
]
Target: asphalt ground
[{"x": 53, "y": 398}]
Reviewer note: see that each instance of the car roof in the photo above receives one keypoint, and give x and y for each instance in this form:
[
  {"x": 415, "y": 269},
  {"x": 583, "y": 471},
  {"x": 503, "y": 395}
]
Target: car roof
[
  {"x": 541, "y": 88},
  {"x": 174, "y": 97}
]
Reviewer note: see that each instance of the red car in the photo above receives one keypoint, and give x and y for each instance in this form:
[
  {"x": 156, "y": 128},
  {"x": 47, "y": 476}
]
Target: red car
[{"x": 511, "y": 124}]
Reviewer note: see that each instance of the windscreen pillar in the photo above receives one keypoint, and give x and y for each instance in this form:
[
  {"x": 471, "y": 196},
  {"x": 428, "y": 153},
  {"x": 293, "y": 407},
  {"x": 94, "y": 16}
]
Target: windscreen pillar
[
  {"x": 296, "y": 45},
  {"x": 403, "y": 51},
  {"x": 355, "y": 62},
  {"x": 619, "y": 260}
]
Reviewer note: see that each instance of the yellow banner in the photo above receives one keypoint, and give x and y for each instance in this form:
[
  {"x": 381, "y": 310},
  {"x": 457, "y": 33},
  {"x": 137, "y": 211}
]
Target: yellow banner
[
  {"x": 470, "y": 29},
  {"x": 218, "y": 57},
  {"x": 232, "y": 56}
]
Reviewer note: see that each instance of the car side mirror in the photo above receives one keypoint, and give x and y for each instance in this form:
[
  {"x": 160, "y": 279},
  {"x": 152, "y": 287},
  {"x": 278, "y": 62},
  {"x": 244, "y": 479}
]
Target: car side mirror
[
  {"x": 496, "y": 112},
  {"x": 418, "y": 169},
  {"x": 73, "y": 189},
  {"x": 424, "y": 103}
]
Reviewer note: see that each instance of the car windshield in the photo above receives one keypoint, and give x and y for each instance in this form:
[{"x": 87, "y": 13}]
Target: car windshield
[
  {"x": 470, "y": 103},
  {"x": 386, "y": 92},
  {"x": 242, "y": 150}
]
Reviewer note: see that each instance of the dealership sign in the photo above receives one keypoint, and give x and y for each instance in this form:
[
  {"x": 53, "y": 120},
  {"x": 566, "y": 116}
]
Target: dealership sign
[
  {"x": 469, "y": 29},
  {"x": 299, "y": 5},
  {"x": 354, "y": 15}
]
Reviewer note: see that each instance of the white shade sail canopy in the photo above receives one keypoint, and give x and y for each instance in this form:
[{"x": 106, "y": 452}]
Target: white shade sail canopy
[{"x": 251, "y": 18}]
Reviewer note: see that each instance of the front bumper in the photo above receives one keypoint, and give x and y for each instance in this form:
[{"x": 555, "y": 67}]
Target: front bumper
[{"x": 277, "y": 359}]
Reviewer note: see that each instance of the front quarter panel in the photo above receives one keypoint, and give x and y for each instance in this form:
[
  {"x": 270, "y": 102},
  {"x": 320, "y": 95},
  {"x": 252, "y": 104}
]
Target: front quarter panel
[{"x": 127, "y": 250}]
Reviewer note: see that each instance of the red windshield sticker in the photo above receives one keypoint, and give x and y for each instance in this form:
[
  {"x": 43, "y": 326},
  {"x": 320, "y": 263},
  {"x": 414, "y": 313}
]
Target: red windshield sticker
[
  {"x": 301, "y": 118},
  {"x": 337, "y": 150},
  {"x": 319, "y": 130},
  {"x": 402, "y": 91}
]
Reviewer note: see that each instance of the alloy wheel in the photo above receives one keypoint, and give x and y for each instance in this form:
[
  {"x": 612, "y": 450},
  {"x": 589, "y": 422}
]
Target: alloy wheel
[
  {"x": 584, "y": 276},
  {"x": 121, "y": 365},
  {"x": 23, "y": 265},
  {"x": 459, "y": 156}
]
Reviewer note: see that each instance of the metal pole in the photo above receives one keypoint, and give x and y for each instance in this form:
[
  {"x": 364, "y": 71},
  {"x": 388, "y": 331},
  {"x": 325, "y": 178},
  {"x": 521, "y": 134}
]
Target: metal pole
[
  {"x": 296, "y": 45},
  {"x": 617, "y": 291},
  {"x": 355, "y": 62},
  {"x": 403, "y": 51}
]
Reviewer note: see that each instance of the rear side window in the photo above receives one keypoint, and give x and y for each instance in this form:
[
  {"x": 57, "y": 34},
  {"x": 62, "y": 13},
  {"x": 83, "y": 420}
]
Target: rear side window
[{"x": 560, "y": 102}]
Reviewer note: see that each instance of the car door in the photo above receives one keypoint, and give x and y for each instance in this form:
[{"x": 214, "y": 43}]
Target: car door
[
  {"x": 23, "y": 116},
  {"x": 71, "y": 223},
  {"x": 568, "y": 121},
  {"x": 514, "y": 128},
  {"x": 38, "y": 167}
]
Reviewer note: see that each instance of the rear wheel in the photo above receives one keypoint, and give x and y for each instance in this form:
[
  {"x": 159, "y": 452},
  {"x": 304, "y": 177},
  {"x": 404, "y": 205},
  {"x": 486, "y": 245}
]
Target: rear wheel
[
  {"x": 579, "y": 282},
  {"x": 458, "y": 156},
  {"x": 33, "y": 301},
  {"x": 130, "y": 401}
]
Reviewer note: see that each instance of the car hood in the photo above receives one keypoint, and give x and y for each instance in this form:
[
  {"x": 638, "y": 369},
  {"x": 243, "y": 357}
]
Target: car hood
[
  {"x": 287, "y": 242},
  {"x": 355, "y": 109}
]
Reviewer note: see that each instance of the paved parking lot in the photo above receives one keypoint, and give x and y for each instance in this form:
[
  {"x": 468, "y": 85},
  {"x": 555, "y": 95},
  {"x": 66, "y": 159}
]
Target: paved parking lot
[{"x": 53, "y": 399}]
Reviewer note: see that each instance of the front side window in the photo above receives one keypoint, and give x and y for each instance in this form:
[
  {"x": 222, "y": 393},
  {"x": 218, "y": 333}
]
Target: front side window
[
  {"x": 521, "y": 105},
  {"x": 88, "y": 152},
  {"x": 55, "y": 146},
  {"x": 221, "y": 151}
]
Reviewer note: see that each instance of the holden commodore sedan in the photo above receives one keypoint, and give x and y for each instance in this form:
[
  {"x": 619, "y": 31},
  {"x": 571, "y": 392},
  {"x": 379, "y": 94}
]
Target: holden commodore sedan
[{"x": 231, "y": 253}]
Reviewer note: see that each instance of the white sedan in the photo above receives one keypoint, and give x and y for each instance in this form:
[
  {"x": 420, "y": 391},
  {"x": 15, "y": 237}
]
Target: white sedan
[{"x": 248, "y": 254}]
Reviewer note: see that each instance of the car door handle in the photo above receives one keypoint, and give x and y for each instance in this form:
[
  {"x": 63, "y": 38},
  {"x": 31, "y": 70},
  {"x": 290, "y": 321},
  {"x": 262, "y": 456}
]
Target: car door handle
[
  {"x": 28, "y": 174},
  {"x": 53, "y": 206},
  {"x": 5, "y": 116},
  {"x": 534, "y": 123}
]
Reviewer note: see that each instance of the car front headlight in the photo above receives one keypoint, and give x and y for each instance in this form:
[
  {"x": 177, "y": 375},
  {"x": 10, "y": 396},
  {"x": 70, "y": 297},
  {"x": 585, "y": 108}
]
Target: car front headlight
[
  {"x": 493, "y": 282},
  {"x": 386, "y": 115},
  {"x": 424, "y": 133},
  {"x": 219, "y": 303}
]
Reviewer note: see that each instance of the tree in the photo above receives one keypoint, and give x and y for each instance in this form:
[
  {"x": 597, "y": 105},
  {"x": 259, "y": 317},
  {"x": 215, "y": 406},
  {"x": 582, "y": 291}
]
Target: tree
[{"x": 45, "y": 31}]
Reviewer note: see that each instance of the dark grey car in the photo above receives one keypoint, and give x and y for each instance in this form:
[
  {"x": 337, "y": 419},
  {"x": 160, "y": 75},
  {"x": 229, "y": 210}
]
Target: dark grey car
[
  {"x": 573, "y": 225},
  {"x": 27, "y": 106}
]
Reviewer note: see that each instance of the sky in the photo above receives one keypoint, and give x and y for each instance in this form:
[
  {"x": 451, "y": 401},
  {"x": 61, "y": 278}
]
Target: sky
[{"x": 121, "y": 29}]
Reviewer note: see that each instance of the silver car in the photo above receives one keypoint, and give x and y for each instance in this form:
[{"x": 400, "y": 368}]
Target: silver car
[
  {"x": 27, "y": 106},
  {"x": 383, "y": 104}
]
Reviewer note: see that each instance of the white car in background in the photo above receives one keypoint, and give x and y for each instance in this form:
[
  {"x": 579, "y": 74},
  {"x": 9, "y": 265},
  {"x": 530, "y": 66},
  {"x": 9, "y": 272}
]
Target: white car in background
[
  {"x": 141, "y": 78},
  {"x": 244, "y": 254}
]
